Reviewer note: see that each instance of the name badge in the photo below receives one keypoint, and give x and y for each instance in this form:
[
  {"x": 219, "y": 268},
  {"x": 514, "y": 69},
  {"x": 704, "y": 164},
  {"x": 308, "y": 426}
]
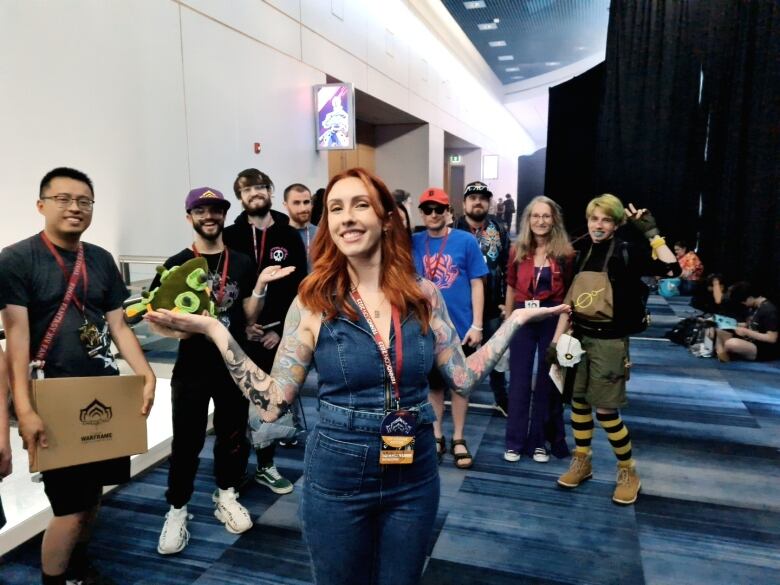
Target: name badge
[
  {"x": 533, "y": 304},
  {"x": 397, "y": 431}
]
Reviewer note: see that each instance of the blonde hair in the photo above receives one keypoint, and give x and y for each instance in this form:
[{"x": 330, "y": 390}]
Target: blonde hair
[
  {"x": 558, "y": 244},
  {"x": 610, "y": 205}
]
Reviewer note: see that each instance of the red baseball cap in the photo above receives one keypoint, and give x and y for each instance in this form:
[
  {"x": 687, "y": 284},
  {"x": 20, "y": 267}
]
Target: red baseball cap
[{"x": 434, "y": 195}]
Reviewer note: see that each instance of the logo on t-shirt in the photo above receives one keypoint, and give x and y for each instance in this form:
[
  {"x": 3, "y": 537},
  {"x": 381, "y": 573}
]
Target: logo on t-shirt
[
  {"x": 278, "y": 254},
  {"x": 446, "y": 271}
]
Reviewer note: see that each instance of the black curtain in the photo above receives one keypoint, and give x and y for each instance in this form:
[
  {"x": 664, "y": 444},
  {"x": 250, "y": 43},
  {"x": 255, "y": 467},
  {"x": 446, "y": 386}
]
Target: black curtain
[
  {"x": 571, "y": 145},
  {"x": 651, "y": 135},
  {"x": 530, "y": 178},
  {"x": 741, "y": 198}
]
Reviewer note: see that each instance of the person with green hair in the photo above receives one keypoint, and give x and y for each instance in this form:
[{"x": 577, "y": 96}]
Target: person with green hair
[{"x": 608, "y": 298}]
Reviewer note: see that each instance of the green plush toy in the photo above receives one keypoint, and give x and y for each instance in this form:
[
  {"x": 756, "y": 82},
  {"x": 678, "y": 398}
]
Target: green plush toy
[{"x": 182, "y": 288}]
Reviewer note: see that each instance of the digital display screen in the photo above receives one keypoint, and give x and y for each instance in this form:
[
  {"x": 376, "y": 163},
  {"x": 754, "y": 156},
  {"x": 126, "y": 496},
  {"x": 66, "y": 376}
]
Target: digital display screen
[{"x": 334, "y": 104}]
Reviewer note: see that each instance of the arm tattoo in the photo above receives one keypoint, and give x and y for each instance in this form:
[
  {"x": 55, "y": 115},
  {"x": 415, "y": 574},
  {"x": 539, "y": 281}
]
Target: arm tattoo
[
  {"x": 272, "y": 394},
  {"x": 462, "y": 373}
]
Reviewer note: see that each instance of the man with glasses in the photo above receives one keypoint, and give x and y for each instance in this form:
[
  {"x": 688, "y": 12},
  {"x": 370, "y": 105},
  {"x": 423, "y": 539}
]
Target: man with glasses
[
  {"x": 62, "y": 303},
  {"x": 200, "y": 375},
  {"x": 494, "y": 244},
  {"x": 452, "y": 260},
  {"x": 267, "y": 238}
]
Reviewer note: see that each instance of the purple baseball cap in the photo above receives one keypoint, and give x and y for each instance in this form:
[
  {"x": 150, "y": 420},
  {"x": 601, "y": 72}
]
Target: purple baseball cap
[{"x": 205, "y": 196}]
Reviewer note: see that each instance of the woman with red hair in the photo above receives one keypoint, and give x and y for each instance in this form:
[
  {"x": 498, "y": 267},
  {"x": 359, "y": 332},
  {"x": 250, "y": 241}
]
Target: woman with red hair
[{"x": 373, "y": 329}]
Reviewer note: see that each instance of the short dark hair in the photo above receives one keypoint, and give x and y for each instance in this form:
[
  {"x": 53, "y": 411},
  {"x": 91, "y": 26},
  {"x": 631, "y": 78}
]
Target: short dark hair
[
  {"x": 741, "y": 291},
  {"x": 68, "y": 173},
  {"x": 252, "y": 177},
  {"x": 299, "y": 187},
  {"x": 681, "y": 244}
]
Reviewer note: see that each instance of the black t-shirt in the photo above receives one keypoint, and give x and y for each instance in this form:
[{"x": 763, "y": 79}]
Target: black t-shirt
[
  {"x": 30, "y": 277},
  {"x": 765, "y": 318},
  {"x": 625, "y": 277},
  {"x": 198, "y": 356},
  {"x": 283, "y": 247}
]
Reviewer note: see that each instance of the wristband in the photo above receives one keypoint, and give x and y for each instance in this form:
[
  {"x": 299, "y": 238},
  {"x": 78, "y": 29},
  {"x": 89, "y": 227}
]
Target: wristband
[
  {"x": 259, "y": 296},
  {"x": 655, "y": 243},
  {"x": 475, "y": 328}
]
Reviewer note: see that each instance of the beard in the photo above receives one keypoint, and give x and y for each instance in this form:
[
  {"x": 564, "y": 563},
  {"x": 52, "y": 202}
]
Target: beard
[
  {"x": 259, "y": 210},
  {"x": 477, "y": 214},
  {"x": 205, "y": 235}
]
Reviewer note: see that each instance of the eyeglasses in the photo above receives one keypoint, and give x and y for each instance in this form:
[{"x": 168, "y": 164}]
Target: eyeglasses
[
  {"x": 63, "y": 201},
  {"x": 253, "y": 188},
  {"x": 544, "y": 216},
  {"x": 429, "y": 209}
]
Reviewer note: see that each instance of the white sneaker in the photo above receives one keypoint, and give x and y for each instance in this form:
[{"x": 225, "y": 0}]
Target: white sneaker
[
  {"x": 233, "y": 515},
  {"x": 174, "y": 535},
  {"x": 540, "y": 455},
  {"x": 511, "y": 456}
]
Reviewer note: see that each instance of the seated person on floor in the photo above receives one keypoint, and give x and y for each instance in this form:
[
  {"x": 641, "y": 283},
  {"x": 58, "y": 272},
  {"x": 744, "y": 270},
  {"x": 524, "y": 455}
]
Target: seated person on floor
[
  {"x": 698, "y": 332},
  {"x": 691, "y": 266},
  {"x": 755, "y": 340}
]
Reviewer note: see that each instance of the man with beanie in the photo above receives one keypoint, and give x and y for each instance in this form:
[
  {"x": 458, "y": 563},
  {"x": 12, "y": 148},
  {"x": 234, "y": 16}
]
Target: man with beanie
[
  {"x": 494, "y": 244},
  {"x": 267, "y": 238},
  {"x": 200, "y": 375}
]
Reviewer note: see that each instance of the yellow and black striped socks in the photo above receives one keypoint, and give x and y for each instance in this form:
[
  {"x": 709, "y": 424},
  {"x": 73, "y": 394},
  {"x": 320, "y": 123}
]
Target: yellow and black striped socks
[
  {"x": 617, "y": 433},
  {"x": 582, "y": 425}
]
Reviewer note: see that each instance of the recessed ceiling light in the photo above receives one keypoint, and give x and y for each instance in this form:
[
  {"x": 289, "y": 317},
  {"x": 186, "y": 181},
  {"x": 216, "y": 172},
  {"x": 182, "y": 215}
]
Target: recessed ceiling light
[
  {"x": 472, "y": 4},
  {"x": 506, "y": 57},
  {"x": 497, "y": 43},
  {"x": 496, "y": 20},
  {"x": 552, "y": 63},
  {"x": 580, "y": 48},
  {"x": 512, "y": 69},
  {"x": 518, "y": 77},
  {"x": 487, "y": 26}
]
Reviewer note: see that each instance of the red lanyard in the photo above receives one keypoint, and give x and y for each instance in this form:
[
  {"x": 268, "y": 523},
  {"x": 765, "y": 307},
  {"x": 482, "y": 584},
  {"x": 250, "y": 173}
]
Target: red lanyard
[
  {"x": 393, "y": 375},
  {"x": 538, "y": 277},
  {"x": 61, "y": 263},
  {"x": 258, "y": 257},
  {"x": 223, "y": 279},
  {"x": 79, "y": 271},
  {"x": 431, "y": 274}
]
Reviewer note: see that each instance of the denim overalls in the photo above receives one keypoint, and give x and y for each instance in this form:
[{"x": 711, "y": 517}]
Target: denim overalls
[{"x": 364, "y": 523}]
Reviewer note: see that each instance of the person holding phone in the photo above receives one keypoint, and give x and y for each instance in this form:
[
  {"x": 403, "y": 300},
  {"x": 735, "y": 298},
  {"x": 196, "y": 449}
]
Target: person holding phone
[{"x": 199, "y": 375}]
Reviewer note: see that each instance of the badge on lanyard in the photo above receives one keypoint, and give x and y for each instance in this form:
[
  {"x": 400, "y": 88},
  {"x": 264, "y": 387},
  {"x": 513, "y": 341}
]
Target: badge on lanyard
[
  {"x": 398, "y": 430},
  {"x": 532, "y": 304}
]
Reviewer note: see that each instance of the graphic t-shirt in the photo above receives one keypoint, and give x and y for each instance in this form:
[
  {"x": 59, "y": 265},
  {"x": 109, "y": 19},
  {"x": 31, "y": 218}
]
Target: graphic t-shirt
[
  {"x": 30, "y": 277},
  {"x": 199, "y": 357},
  {"x": 494, "y": 244},
  {"x": 451, "y": 270}
]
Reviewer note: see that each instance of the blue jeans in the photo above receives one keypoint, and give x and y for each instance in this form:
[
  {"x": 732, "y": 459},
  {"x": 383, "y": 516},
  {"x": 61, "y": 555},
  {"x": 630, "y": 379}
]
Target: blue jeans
[{"x": 364, "y": 523}]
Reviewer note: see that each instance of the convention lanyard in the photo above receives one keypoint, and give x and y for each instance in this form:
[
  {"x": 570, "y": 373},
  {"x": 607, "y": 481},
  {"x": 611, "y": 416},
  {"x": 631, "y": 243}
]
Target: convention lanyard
[
  {"x": 61, "y": 263},
  {"x": 308, "y": 240},
  {"x": 431, "y": 274},
  {"x": 79, "y": 271},
  {"x": 537, "y": 278},
  {"x": 223, "y": 279},
  {"x": 393, "y": 375},
  {"x": 258, "y": 257}
]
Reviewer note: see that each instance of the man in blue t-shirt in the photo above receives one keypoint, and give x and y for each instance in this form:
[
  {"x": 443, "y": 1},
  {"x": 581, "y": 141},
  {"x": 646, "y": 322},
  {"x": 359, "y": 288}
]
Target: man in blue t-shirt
[{"x": 452, "y": 260}]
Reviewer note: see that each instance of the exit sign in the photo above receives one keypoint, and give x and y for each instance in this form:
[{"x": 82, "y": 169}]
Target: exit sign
[{"x": 454, "y": 158}]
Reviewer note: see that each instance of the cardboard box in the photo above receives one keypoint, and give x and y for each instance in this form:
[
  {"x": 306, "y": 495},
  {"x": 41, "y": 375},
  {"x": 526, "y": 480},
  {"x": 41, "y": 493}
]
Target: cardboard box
[{"x": 88, "y": 419}]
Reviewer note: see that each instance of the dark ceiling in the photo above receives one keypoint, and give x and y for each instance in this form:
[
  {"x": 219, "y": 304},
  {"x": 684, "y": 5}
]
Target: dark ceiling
[{"x": 540, "y": 35}]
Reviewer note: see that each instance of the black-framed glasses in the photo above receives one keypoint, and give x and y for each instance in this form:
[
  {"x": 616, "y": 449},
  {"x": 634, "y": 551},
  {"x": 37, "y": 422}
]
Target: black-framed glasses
[
  {"x": 429, "y": 209},
  {"x": 251, "y": 188},
  {"x": 63, "y": 201}
]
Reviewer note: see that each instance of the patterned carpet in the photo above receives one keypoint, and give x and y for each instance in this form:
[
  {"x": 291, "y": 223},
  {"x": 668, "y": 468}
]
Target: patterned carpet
[{"x": 706, "y": 439}]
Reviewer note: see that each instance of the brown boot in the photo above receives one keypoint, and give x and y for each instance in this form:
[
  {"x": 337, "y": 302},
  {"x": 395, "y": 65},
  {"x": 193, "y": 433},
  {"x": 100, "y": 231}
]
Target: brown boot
[
  {"x": 628, "y": 483},
  {"x": 579, "y": 470}
]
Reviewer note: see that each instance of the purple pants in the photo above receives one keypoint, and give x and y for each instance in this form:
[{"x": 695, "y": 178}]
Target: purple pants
[{"x": 535, "y": 410}]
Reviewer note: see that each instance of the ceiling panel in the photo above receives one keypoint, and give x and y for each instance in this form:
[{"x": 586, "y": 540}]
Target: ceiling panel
[{"x": 532, "y": 37}]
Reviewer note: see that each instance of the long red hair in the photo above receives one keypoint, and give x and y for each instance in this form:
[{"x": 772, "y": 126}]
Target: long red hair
[{"x": 326, "y": 289}]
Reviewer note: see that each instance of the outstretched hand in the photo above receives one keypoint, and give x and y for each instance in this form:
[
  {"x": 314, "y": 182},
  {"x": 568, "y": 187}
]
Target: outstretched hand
[
  {"x": 523, "y": 316},
  {"x": 643, "y": 220},
  {"x": 178, "y": 325},
  {"x": 276, "y": 272}
]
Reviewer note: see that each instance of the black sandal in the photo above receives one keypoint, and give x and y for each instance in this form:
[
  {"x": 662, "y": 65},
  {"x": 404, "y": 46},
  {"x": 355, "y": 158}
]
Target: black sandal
[
  {"x": 461, "y": 456},
  {"x": 441, "y": 447}
]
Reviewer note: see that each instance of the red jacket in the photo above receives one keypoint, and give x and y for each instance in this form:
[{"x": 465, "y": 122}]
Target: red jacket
[{"x": 520, "y": 276}]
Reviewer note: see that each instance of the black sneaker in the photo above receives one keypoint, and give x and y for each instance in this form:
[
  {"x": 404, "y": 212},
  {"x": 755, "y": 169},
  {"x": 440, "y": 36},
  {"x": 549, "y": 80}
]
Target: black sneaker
[{"x": 90, "y": 577}]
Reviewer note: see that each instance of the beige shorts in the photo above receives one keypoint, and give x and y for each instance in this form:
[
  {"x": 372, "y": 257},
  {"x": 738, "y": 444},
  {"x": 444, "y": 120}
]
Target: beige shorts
[{"x": 600, "y": 378}]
